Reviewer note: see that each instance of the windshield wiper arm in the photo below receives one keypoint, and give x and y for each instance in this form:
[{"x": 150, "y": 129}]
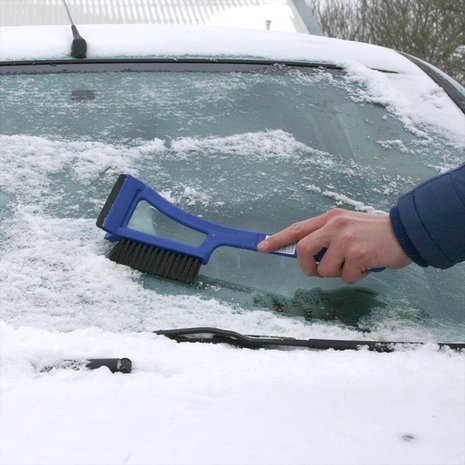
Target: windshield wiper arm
[{"x": 218, "y": 336}]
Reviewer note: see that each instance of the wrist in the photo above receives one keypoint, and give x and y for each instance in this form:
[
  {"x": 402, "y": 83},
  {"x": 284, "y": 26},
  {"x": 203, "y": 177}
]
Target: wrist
[{"x": 403, "y": 238}]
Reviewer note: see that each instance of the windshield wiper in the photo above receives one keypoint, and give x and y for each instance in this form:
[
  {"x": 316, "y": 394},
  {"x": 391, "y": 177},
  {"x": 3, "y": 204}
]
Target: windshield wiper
[
  {"x": 79, "y": 45},
  {"x": 222, "y": 336},
  {"x": 115, "y": 365}
]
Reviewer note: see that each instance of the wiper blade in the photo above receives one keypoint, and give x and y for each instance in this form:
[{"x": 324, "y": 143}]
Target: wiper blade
[{"x": 223, "y": 336}]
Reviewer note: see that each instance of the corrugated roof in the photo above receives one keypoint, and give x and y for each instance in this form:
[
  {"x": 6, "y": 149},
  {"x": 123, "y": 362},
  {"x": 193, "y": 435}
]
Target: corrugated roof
[{"x": 169, "y": 12}]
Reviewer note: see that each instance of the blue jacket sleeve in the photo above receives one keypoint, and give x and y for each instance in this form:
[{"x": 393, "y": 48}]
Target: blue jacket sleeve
[{"x": 429, "y": 221}]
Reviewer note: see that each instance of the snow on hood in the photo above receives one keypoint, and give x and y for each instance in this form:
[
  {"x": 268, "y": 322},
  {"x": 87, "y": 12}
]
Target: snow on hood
[{"x": 105, "y": 41}]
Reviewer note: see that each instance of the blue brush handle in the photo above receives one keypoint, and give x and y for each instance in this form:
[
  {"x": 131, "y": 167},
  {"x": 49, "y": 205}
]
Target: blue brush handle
[{"x": 132, "y": 191}]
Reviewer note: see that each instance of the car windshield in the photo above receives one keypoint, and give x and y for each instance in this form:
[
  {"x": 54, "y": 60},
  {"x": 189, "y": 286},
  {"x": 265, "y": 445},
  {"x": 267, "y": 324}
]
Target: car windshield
[{"x": 256, "y": 148}]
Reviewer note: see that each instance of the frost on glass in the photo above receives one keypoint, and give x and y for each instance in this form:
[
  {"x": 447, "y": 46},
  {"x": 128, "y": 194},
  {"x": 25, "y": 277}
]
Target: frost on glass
[{"x": 253, "y": 151}]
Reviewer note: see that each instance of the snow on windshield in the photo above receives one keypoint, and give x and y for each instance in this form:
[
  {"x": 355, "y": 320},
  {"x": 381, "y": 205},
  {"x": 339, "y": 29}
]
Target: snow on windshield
[
  {"x": 416, "y": 102},
  {"x": 54, "y": 258},
  {"x": 324, "y": 139}
]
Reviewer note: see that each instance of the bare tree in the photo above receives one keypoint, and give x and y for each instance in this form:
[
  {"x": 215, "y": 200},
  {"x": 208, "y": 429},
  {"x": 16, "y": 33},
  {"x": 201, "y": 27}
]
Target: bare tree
[{"x": 433, "y": 30}]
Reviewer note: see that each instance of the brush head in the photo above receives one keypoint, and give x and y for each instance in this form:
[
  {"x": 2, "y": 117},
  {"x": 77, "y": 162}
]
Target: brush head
[
  {"x": 144, "y": 257},
  {"x": 153, "y": 260}
]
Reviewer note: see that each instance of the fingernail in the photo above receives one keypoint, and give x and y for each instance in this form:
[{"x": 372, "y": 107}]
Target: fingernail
[{"x": 261, "y": 245}]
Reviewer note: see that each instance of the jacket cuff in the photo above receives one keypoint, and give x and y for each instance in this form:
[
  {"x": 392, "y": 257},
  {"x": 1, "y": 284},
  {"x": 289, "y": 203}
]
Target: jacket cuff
[{"x": 403, "y": 238}]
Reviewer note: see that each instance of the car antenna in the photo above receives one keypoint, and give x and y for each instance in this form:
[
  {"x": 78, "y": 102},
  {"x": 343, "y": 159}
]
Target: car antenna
[{"x": 79, "y": 45}]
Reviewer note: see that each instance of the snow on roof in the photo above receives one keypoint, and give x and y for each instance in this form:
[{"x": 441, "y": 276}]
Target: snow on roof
[{"x": 105, "y": 41}]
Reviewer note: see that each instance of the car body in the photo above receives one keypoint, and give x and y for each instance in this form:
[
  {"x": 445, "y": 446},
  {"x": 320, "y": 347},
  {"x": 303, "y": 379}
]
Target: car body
[
  {"x": 322, "y": 123},
  {"x": 251, "y": 129}
]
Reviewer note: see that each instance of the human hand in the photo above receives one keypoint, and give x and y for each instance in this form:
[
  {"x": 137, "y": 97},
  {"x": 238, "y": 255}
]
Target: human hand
[{"x": 355, "y": 242}]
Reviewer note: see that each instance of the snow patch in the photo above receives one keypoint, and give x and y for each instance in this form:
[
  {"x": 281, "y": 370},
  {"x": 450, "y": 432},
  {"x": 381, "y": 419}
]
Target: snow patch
[
  {"x": 395, "y": 144},
  {"x": 269, "y": 144},
  {"x": 214, "y": 404},
  {"x": 342, "y": 199},
  {"x": 417, "y": 101}
]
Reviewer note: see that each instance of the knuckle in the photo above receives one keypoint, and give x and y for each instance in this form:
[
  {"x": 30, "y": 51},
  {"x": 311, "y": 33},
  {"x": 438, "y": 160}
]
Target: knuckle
[
  {"x": 297, "y": 228},
  {"x": 335, "y": 212},
  {"x": 340, "y": 221},
  {"x": 347, "y": 238},
  {"x": 358, "y": 254},
  {"x": 300, "y": 249}
]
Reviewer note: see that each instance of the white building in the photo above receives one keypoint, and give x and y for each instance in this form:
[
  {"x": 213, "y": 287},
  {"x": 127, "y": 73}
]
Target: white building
[{"x": 277, "y": 15}]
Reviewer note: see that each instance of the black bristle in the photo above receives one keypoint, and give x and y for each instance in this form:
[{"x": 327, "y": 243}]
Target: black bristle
[{"x": 160, "y": 262}]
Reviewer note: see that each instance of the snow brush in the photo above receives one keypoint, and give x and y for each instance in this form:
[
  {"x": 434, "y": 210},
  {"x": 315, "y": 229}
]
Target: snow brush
[{"x": 161, "y": 256}]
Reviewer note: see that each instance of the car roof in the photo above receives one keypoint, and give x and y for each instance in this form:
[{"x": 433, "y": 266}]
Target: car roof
[{"x": 159, "y": 41}]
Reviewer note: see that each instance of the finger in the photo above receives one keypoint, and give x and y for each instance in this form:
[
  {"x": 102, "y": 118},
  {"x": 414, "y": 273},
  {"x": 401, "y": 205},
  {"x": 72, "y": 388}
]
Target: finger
[
  {"x": 306, "y": 249},
  {"x": 292, "y": 234},
  {"x": 351, "y": 272},
  {"x": 331, "y": 263}
]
